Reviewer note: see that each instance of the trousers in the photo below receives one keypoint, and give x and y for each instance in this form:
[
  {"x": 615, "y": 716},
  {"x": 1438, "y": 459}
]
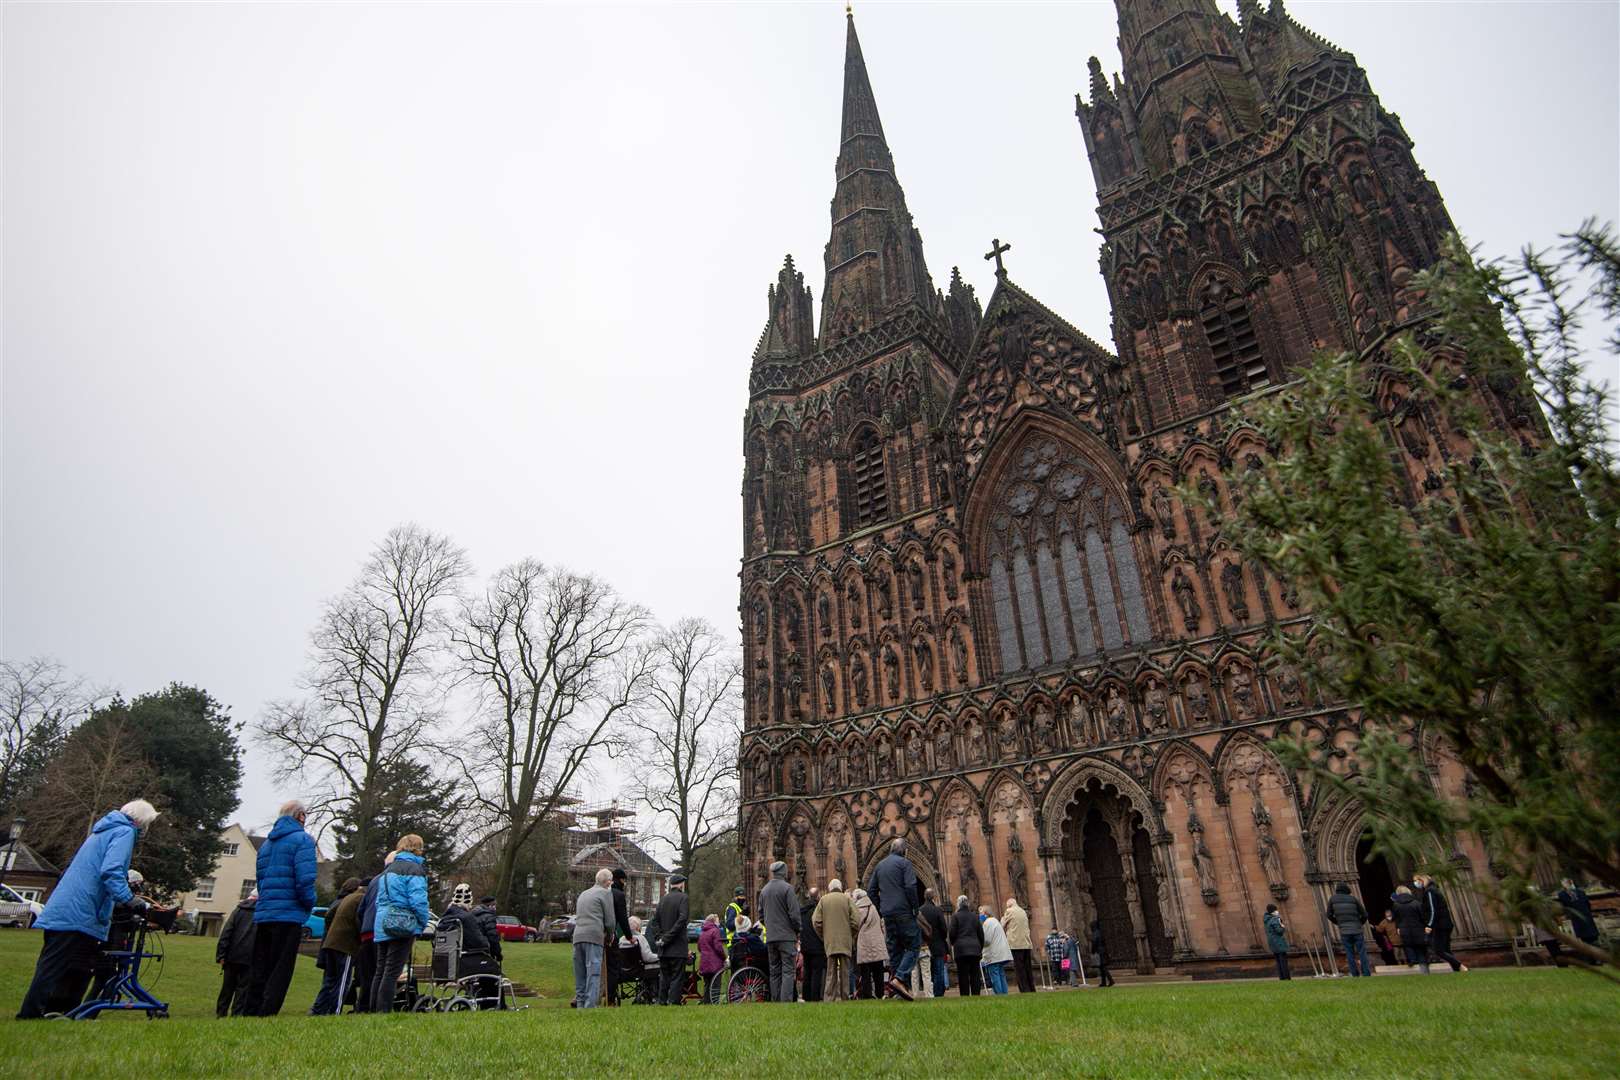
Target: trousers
[
  {"x": 335, "y": 968},
  {"x": 233, "y": 986},
  {"x": 969, "y": 977},
  {"x": 815, "y": 973},
  {"x": 782, "y": 953},
  {"x": 392, "y": 956},
  {"x": 275, "y": 952},
  {"x": 671, "y": 979},
  {"x": 1023, "y": 970},
  {"x": 1355, "y": 952},
  {"x": 1440, "y": 948},
  {"x": 837, "y": 984},
  {"x": 66, "y": 963}
]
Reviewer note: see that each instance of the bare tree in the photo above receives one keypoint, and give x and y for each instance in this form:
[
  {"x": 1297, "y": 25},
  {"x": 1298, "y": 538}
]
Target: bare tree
[
  {"x": 687, "y": 770},
  {"x": 374, "y": 685},
  {"x": 99, "y": 769},
  {"x": 557, "y": 659},
  {"x": 40, "y": 702}
]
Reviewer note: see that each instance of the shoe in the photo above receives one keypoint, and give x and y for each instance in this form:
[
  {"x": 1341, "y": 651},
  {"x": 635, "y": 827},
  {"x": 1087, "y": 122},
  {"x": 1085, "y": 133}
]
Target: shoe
[
  {"x": 900, "y": 990},
  {"x": 1464, "y": 967}
]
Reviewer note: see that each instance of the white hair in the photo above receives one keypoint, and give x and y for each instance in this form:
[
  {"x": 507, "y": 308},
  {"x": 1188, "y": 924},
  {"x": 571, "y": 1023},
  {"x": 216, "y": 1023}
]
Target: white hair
[
  {"x": 744, "y": 924},
  {"x": 960, "y": 900},
  {"x": 292, "y": 808},
  {"x": 835, "y": 885},
  {"x": 604, "y": 877},
  {"x": 635, "y": 924},
  {"x": 141, "y": 812}
]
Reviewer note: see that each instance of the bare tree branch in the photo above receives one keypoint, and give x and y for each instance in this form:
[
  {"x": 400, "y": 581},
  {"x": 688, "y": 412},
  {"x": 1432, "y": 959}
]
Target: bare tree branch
[{"x": 40, "y": 702}]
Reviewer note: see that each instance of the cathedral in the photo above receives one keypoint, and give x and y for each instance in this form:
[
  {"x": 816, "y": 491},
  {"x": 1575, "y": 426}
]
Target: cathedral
[{"x": 976, "y": 613}]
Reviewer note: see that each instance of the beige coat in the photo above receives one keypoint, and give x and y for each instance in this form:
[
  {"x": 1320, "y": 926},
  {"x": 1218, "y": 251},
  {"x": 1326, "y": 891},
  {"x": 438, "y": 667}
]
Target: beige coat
[
  {"x": 870, "y": 942},
  {"x": 836, "y": 922},
  {"x": 1016, "y": 923}
]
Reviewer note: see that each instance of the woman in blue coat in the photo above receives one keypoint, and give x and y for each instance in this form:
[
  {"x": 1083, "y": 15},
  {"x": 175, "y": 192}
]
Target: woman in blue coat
[
  {"x": 79, "y": 912},
  {"x": 402, "y": 913}
]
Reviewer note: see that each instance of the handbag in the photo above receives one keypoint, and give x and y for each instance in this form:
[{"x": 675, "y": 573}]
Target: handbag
[
  {"x": 397, "y": 922},
  {"x": 1065, "y": 963}
]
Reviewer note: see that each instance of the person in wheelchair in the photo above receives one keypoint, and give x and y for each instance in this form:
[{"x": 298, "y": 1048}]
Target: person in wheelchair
[
  {"x": 638, "y": 966},
  {"x": 749, "y": 949},
  {"x": 477, "y": 955}
]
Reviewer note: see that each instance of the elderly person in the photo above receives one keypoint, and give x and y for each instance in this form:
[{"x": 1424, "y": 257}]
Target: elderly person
[
  {"x": 78, "y": 916},
  {"x": 593, "y": 926},
  {"x": 338, "y": 946},
  {"x": 937, "y": 924},
  {"x": 895, "y": 890},
  {"x": 779, "y": 912},
  {"x": 402, "y": 914},
  {"x": 810, "y": 947},
  {"x": 365, "y": 964},
  {"x": 286, "y": 873},
  {"x": 1015, "y": 921},
  {"x": 669, "y": 931},
  {"x": 234, "y": 955},
  {"x": 871, "y": 946},
  {"x": 967, "y": 945},
  {"x": 711, "y": 958},
  {"x": 997, "y": 953},
  {"x": 835, "y": 921}
]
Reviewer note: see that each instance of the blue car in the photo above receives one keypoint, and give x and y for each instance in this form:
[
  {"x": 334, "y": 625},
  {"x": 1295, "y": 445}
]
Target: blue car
[{"x": 315, "y": 925}]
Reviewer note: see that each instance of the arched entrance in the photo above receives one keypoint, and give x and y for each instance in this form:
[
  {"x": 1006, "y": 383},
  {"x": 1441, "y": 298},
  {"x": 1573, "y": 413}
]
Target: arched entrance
[
  {"x": 1374, "y": 876},
  {"x": 920, "y": 860},
  {"x": 1109, "y": 877}
]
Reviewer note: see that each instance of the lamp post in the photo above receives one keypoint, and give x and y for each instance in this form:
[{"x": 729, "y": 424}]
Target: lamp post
[
  {"x": 530, "y": 911},
  {"x": 13, "y": 837}
]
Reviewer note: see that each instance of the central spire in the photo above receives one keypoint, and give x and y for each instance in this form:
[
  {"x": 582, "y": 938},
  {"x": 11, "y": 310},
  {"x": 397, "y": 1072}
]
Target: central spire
[{"x": 874, "y": 256}]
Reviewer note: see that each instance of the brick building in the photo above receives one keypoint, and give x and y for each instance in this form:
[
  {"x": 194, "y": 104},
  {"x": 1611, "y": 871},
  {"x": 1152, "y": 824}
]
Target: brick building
[{"x": 975, "y": 612}]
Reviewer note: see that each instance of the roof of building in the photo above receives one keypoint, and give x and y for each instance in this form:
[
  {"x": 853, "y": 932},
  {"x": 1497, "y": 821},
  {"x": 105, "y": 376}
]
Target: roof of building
[
  {"x": 626, "y": 853},
  {"x": 25, "y": 860}
]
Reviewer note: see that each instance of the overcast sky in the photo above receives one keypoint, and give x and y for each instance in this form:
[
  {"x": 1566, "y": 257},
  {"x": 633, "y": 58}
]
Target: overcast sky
[{"x": 277, "y": 278}]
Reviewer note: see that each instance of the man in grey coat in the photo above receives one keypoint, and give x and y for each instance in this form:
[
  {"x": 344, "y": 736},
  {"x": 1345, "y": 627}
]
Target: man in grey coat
[
  {"x": 779, "y": 910},
  {"x": 593, "y": 922},
  {"x": 669, "y": 937}
]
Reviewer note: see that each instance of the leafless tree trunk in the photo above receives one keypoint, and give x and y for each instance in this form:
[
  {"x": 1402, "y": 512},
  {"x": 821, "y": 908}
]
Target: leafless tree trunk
[
  {"x": 686, "y": 766},
  {"x": 39, "y": 704},
  {"x": 558, "y": 660},
  {"x": 94, "y": 772},
  {"x": 373, "y": 688}
]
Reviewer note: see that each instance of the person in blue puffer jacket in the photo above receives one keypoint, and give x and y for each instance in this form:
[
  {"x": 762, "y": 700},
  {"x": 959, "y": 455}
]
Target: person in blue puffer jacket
[
  {"x": 286, "y": 873},
  {"x": 79, "y": 912},
  {"x": 402, "y": 913}
]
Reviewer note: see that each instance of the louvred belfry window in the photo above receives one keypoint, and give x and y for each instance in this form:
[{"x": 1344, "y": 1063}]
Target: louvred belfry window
[
  {"x": 1232, "y": 342},
  {"x": 1064, "y": 583},
  {"x": 871, "y": 481}
]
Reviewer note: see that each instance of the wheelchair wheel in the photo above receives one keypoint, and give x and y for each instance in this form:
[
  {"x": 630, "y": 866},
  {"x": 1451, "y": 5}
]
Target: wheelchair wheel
[
  {"x": 746, "y": 985},
  {"x": 424, "y": 1003},
  {"x": 461, "y": 1004}
]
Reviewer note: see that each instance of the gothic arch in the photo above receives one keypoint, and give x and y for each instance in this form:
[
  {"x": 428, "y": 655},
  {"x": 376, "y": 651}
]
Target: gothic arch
[{"x": 1069, "y": 783}]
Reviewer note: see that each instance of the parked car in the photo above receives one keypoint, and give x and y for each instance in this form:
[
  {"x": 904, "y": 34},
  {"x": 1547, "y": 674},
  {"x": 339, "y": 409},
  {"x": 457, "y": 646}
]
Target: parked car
[
  {"x": 560, "y": 929},
  {"x": 15, "y": 911},
  {"x": 315, "y": 925},
  {"x": 511, "y": 928},
  {"x": 693, "y": 929}
]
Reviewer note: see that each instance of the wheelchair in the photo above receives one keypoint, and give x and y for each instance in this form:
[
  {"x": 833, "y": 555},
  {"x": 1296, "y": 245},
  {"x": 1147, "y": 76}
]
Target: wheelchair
[
  {"x": 461, "y": 981},
  {"x": 637, "y": 979}
]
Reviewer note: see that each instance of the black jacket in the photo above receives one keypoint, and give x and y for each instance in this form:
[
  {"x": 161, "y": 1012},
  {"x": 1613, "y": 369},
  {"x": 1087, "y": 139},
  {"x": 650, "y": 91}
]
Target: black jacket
[
  {"x": 472, "y": 934},
  {"x": 966, "y": 935},
  {"x": 621, "y": 912},
  {"x": 236, "y": 936},
  {"x": 1436, "y": 912},
  {"x": 1099, "y": 946},
  {"x": 668, "y": 938},
  {"x": 1346, "y": 912},
  {"x": 487, "y": 924},
  {"x": 1579, "y": 910},
  {"x": 1409, "y": 920},
  {"x": 939, "y": 933},
  {"x": 809, "y": 940}
]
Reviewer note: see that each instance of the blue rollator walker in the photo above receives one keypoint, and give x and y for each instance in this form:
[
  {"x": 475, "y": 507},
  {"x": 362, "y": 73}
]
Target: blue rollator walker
[{"x": 123, "y": 990}]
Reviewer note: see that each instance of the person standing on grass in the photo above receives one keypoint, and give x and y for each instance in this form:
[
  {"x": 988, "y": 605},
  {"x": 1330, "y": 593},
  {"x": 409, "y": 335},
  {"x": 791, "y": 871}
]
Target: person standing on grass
[
  {"x": 711, "y": 958},
  {"x": 1099, "y": 954},
  {"x": 365, "y": 968},
  {"x": 669, "y": 932},
  {"x": 1572, "y": 898},
  {"x": 1409, "y": 927},
  {"x": 836, "y": 924},
  {"x": 1388, "y": 937},
  {"x": 779, "y": 912},
  {"x": 78, "y": 916},
  {"x": 811, "y": 948},
  {"x": 621, "y": 932},
  {"x": 593, "y": 928},
  {"x": 1015, "y": 921},
  {"x": 895, "y": 890},
  {"x": 871, "y": 950},
  {"x": 1437, "y": 922},
  {"x": 338, "y": 946},
  {"x": 1350, "y": 917},
  {"x": 234, "y": 955},
  {"x": 997, "y": 952},
  {"x": 286, "y": 874},
  {"x": 402, "y": 913},
  {"x": 1277, "y": 940},
  {"x": 967, "y": 945},
  {"x": 933, "y": 922}
]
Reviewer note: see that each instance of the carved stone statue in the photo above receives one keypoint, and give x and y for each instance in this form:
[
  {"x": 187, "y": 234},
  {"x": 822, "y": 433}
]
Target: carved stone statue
[
  {"x": 824, "y": 612},
  {"x": 969, "y": 878},
  {"x": 1080, "y": 721},
  {"x": 799, "y": 776},
  {"x": 1118, "y": 713},
  {"x": 1270, "y": 855},
  {"x": 1203, "y": 862},
  {"x": 857, "y": 681},
  {"x": 1017, "y": 874},
  {"x": 1045, "y": 725},
  {"x": 1007, "y": 736},
  {"x": 857, "y": 767},
  {"x": 975, "y": 743},
  {"x": 1157, "y": 707},
  {"x": 793, "y": 686},
  {"x": 1232, "y": 585},
  {"x": 854, "y": 596},
  {"x": 947, "y": 571},
  {"x": 1290, "y": 687},
  {"x": 891, "y": 672},
  {"x": 1164, "y": 510},
  {"x": 793, "y": 617},
  {"x": 914, "y": 573},
  {"x": 959, "y": 655},
  {"x": 925, "y": 663},
  {"x": 1187, "y": 599},
  {"x": 829, "y": 691},
  {"x": 944, "y": 758},
  {"x": 762, "y": 622},
  {"x": 916, "y": 762},
  {"x": 762, "y": 774},
  {"x": 885, "y": 594},
  {"x": 1197, "y": 694},
  {"x": 1242, "y": 692}
]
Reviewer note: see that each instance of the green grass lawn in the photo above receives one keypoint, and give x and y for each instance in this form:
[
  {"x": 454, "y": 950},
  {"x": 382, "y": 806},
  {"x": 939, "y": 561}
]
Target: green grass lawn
[{"x": 1536, "y": 1022}]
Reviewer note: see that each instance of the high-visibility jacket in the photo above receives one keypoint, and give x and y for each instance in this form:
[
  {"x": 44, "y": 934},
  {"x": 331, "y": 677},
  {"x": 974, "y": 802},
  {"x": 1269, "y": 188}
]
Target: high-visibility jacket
[{"x": 733, "y": 910}]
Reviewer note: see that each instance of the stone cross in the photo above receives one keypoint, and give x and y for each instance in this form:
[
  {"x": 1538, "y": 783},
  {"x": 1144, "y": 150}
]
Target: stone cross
[{"x": 995, "y": 252}]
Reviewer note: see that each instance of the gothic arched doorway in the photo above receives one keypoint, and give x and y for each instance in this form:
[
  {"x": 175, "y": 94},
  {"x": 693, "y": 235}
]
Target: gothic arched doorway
[
  {"x": 1374, "y": 876},
  {"x": 1108, "y": 864}
]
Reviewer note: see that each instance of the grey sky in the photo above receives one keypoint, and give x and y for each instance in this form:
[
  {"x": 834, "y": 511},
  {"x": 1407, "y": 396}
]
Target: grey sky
[{"x": 279, "y": 277}]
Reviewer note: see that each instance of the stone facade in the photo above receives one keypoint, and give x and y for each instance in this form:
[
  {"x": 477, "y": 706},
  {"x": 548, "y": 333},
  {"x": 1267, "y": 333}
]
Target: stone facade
[{"x": 975, "y": 612}]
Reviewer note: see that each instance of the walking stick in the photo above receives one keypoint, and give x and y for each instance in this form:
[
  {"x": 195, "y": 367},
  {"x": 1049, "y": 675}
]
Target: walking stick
[{"x": 607, "y": 943}]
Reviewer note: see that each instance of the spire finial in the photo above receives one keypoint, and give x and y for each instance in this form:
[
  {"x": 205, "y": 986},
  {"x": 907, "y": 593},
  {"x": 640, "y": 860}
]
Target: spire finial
[
  {"x": 849, "y": 9},
  {"x": 997, "y": 248}
]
